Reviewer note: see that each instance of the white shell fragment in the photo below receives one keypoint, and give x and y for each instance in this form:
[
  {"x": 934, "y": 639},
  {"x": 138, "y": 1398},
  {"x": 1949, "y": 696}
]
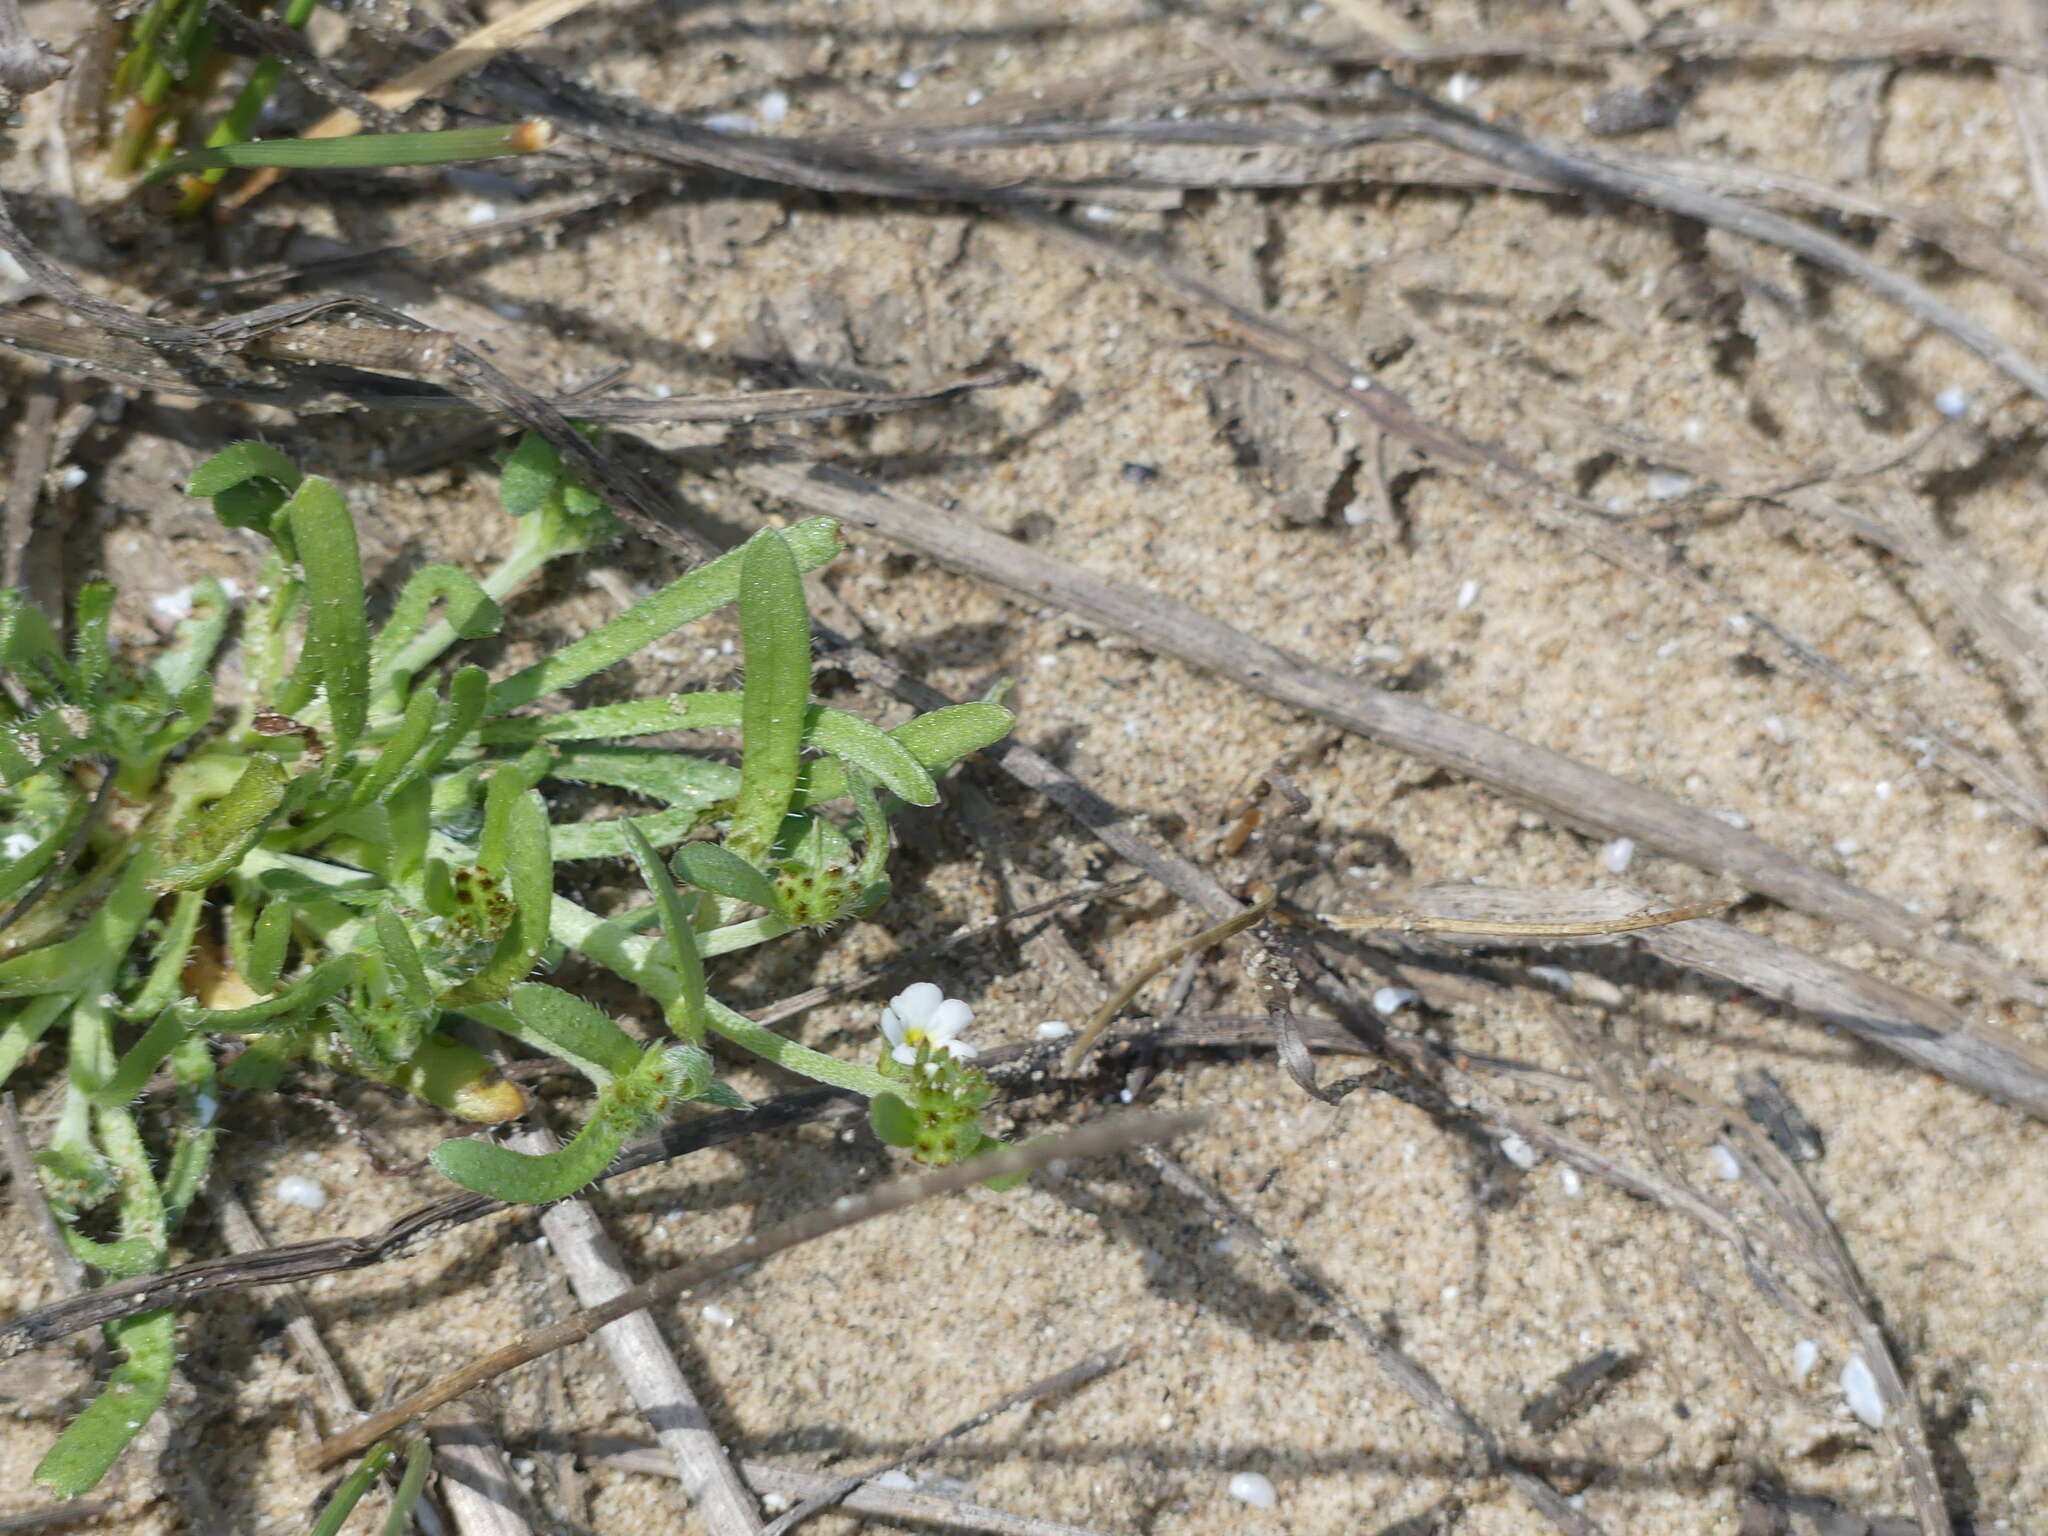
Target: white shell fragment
[
  {"x": 1519, "y": 1152},
  {"x": 1805, "y": 1356},
  {"x": 297, "y": 1189},
  {"x": 1389, "y": 1001},
  {"x": 1618, "y": 855},
  {"x": 1724, "y": 1160},
  {"x": 1054, "y": 1029},
  {"x": 1253, "y": 1488},
  {"x": 1859, "y": 1389}
]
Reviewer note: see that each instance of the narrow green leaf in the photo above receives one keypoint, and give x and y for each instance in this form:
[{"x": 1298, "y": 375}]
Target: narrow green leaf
[
  {"x": 937, "y": 740},
  {"x": 867, "y": 745},
  {"x": 471, "y": 612},
  {"x": 709, "y": 587},
  {"x": 675, "y": 778},
  {"x": 133, "y": 1073},
  {"x": 775, "y": 633},
  {"x": 894, "y": 1121},
  {"x": 402, "y": 959},
  {"x": 334, "y": 1514},
  {"x": 399, "y": 749},
  {"x": 134, "y": 1391},
  {"x": 239, "y": 462},
  {"x": 711, "y": 867},
  {"x": 530, "y": 1178},
  {"x": 579, "y": 1033},
  {"x": 337, "y": 653},
  {"x": 613, "y": 839},
  {"x": 419, "y": 1460},
  {"x": 172, "y": 950},
  {"x": 686, "y": 1013},
  {"x": 269, "y": 941},
  {"x": 213, "y": 842},
  {"x": 75, "y": 962},
  {"x": 529, "y": 475},
  {"x": 363, "y": 151}
]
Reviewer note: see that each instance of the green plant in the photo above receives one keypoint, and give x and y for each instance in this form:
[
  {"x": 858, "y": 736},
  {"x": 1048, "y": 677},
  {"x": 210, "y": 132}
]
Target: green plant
[{"x": 358, "y": 850}]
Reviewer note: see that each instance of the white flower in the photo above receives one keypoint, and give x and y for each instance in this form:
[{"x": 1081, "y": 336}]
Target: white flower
[{"x": 922, "y": 1014}]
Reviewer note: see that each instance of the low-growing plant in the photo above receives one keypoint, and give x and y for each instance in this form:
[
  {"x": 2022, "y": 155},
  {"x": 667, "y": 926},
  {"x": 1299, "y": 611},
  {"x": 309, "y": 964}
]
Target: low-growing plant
[{"x": 198, "y": 893}]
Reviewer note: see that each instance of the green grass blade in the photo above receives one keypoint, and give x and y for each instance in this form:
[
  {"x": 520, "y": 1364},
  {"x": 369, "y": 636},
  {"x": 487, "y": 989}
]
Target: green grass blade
[
  {"x": 364, "y": 151},
  {"x": 334, "y": 1515},
  {"x": 419, "y": 1458},
  {"x": 686, "y": 1012}
]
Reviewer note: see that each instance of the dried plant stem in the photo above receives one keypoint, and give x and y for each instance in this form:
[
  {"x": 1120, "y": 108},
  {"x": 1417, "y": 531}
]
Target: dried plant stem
[
  {"x": 1110, "y": 1135},
  {"x": 1236, "y": 923},
  {"x": 1404, "y": 1372},
  {"x": 1575, "y": 792},
  {"x": 644, "y": 1362}
]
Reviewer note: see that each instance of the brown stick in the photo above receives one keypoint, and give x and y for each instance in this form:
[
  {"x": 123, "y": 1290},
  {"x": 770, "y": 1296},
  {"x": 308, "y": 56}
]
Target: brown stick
[
  {"x": 1104, "y": 1136},
  {"x": 1575, "y": 792}
]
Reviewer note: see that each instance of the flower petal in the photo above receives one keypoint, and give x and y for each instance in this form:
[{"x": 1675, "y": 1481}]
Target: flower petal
[
  {"x": 914, "y": 1004},
  {"x": 961, "y": 1050},
  {"x": 907, "y": 1054},
  {"x": 893, "y": 1027},
  {"x": 947, "y": 1020}
]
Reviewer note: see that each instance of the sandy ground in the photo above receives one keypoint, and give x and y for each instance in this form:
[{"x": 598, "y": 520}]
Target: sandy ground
[{"x": 1546, "y": 325}]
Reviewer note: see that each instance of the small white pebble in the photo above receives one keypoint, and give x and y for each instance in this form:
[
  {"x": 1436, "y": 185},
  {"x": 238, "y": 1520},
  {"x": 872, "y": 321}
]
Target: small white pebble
[
  {"x": 774, "y": 1503},
  {"x": 976, "y": 98},
  {"x": 730, "y": 122},
  {"x": 507, "y": 311},
  {"x": 1468, "y": 594},
  {"x": 773, "y": 106},
  {"x": 481, "y": 213},
  {"x": 1848, "y": 847},
  {"x": 1253, "y": 1488},
  {"x": 1389, "y": 1001},
  {"x": 1554, "y": 976},
  {"x": 1667, "y": 484},
  {"x": 1724, "y": 1161},
  {"x": 1805, "y": 1356},
  {"x": 716, "y": 1315},
  {"x": 1054, "y": 1029},
  {"x": 1357, "y": 514},
  {"x": 895, "y": 1478},
  {"x": 1519, "y": 1152},
  {"x": 1574, "y": 1186},
  {"x": 1859, "y": 1389},
  {"x": 1360, "y": 381},
  {"x": 1313, "y": 11},
  {"x": 1882, "y": 789},
  {"x": 907, "y": 81},
  {"x": 172, "y": 606},
  {"x": 1776, "y": 728},
  {"x": 1952, "y": 403},
  {"x": 1618, "y": 855},
  {"x": 1733, "y": 819},
  {"x": 71, "y": 478},
  {"x": 1097, "y": 213},
  {"x": 1448, "y": 1295},
  {"x": 297, "y": 1189},
  {"x": 1462, "y": 87}
]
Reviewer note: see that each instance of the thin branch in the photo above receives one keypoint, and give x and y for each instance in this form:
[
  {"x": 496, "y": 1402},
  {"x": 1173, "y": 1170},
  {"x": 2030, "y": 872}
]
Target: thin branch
[
  {"x": 921, "y": 1505},
  {"x": 1573, "y": 791},
  {"x": 1059, "y": 1383},
  {"x": 644, "y": 1362},
  {"x": 28, "y": 1189},
  {"x": 1104, "y": 1136},
  {"x": 1402, "y": 1371},
  {"x": 26, "y": 66}
]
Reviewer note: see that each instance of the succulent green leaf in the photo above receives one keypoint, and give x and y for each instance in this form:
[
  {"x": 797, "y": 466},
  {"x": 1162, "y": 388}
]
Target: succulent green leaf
[
  {"x": 683, "y": 601},
  {"x": 686, "y": 1012},
  {"x": 675, "y": 778},
  {"x": 574, "y": 1030},
  {"x": 894, "y": 1121},
  {"x": 472, "y": 613},
  {"x": 937, "y": 740},
  {"x": 240, "y": 462},
  {"x": 710, "y": 867},
  {"x": 531, "y": 1178},
  {"x": 135, "y": 1389},
  {"x": 337, "y": 653},
  {"x": 775, "y": 632},
  {"x": 214, "y": 841}
]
